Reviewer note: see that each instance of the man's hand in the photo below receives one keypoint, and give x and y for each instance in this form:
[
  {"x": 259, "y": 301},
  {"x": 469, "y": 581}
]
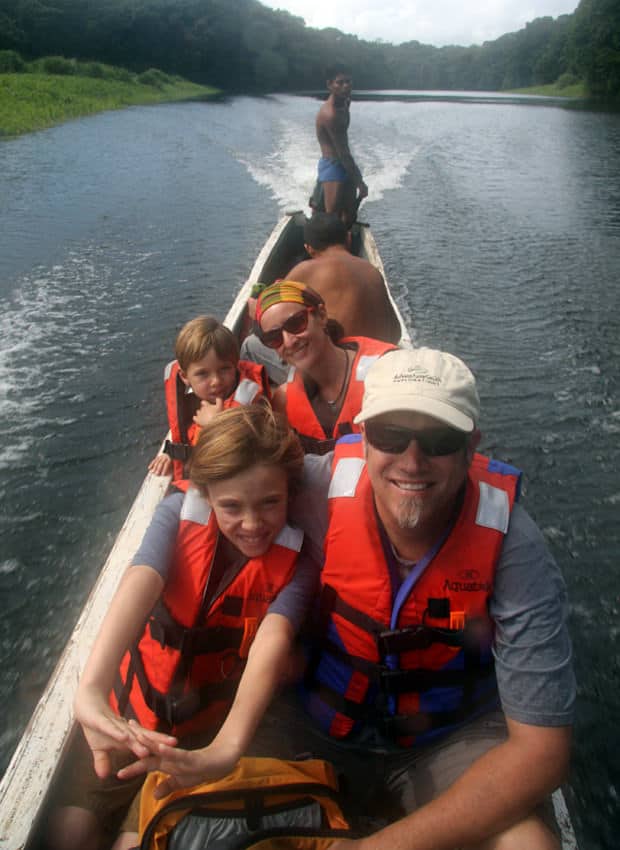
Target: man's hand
[{"x": 185, "y": 768}]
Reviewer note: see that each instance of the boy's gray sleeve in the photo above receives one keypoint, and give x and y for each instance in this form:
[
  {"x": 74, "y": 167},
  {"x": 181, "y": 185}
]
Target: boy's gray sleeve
[
  {"x": 309, "y": 508},
  {"x": 532, "y": 649},
  {"x": 157, "y": 547},
  {"x": 296, "y": 599}
]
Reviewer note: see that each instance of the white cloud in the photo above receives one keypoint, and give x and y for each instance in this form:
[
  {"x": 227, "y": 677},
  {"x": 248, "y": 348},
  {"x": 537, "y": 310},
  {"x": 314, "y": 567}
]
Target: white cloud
[{"x": 437, "y": 22}]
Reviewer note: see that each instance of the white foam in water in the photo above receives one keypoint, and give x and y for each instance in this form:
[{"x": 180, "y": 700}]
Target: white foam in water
[
  {"x": 52, "y": 331},
  {"x": 384, "y": 169},
  {"x": 8, "y": 567},
  {"x": 289, "y": 171}
]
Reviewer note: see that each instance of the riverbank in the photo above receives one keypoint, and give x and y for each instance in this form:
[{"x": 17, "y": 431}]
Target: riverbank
[
  {"x": 574, "y": 90},
  {"x": 31, "y": 102}
]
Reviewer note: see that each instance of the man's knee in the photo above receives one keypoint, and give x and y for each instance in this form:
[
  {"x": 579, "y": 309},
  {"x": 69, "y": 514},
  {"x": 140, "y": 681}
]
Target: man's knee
[{"x": 532, "y": 833}]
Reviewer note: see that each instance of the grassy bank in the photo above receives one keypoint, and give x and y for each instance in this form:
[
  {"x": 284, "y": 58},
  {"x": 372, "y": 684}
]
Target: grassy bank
[
  {"x": 33, "y": 101},
  {"x": 554, "y": 90}
]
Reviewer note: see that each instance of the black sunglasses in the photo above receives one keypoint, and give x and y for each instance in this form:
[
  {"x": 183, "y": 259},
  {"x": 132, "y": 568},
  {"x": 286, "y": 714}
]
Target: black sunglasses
[
  {"x": 295, "y": 324},
  {"x": 433, "y": 442}
]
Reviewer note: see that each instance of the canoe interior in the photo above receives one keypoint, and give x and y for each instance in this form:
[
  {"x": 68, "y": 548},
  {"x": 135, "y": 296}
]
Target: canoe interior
[{"x": 26, "y": 784}]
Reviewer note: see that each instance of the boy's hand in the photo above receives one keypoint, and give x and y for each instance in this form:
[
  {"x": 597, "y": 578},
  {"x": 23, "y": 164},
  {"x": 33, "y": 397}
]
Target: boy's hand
[
  {"x": 184, "y": 767},
  {"x": 104, "y": 730},
  {"x": 161, "y": 465},
  {"x": 207, "y": 411}
]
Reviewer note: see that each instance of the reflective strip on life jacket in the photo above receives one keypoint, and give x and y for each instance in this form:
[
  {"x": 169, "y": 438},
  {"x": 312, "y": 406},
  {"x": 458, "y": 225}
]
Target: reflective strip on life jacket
[{"x": 246, "y": 391}]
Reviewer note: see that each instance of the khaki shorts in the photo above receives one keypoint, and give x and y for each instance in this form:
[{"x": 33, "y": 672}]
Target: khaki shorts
[{"x": 380, "y": 781}]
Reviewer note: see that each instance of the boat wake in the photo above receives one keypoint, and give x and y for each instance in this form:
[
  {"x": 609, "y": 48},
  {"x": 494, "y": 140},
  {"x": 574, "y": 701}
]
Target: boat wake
[
  {"x": 57, "y": 331},
  {"x": 288, "y": 171}
]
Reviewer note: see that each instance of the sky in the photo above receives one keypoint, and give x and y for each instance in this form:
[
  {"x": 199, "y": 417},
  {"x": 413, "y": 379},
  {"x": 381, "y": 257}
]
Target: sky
[{"x": 437, "y": 22}]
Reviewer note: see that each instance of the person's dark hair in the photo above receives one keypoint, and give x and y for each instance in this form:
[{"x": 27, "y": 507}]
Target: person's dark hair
[
  {"x": 334, "y": 330},
  {"x": 323, "y": 230},
  {"x": 332, "y": 71}
]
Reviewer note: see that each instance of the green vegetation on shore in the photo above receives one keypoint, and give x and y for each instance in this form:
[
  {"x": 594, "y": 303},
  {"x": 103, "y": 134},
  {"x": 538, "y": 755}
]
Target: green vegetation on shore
[
  {"x": 245, "y": 47},
  {"x": 575, "y": 90},
  {"x": 39, "y": 98}
]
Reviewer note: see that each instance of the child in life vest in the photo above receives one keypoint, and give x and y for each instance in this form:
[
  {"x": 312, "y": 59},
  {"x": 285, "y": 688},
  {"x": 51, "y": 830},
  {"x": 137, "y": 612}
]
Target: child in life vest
[
  {"x": 206, "y": 377},
  {"x": 198, "y": 636}
]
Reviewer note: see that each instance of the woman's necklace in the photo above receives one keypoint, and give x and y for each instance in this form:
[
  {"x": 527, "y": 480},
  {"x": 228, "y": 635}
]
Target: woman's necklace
[{"x": 344, "y": 380}]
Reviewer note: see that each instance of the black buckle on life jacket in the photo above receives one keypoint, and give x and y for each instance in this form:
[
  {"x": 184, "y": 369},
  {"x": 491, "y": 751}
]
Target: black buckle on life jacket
[
  {"x": 177, "y": 451},
  {"x": 343, "y": 429},
  {"x": 176, "y": 710},
  {"x": 394, "y": 641},
  {"x": 418, "y": 680},
  {"x": 158, "y": 631},
  {"x": 172, "y": 635},
  {"x": 401, "y": 725},
  {"x": 191, "y": 642},
  {"x": 316, "y": 446}
]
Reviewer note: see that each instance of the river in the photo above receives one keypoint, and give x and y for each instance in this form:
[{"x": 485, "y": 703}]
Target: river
[{"x": 499, "y": 226}]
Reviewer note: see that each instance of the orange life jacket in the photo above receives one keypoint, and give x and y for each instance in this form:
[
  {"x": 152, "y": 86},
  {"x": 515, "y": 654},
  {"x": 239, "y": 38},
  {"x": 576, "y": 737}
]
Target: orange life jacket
[
  {"x": 181, "y": 406},
  {"x": 417, "y": 658},
  {"x": 182, "y": 673},
  {"x": 299, "y": 411}
]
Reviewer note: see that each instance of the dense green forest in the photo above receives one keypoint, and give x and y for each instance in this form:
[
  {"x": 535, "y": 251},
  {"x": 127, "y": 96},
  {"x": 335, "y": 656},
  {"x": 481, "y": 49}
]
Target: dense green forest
[{"x": 241, "y": 45}]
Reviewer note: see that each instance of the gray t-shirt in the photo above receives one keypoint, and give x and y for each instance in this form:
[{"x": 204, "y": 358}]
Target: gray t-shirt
[
  {"x": 157, "y": 550},
  {"x": 533, "y": 655}
]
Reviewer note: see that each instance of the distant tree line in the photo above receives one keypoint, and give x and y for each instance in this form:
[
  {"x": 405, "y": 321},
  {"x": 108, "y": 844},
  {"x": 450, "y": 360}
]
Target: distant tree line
[{"x": 243, "y": 46}]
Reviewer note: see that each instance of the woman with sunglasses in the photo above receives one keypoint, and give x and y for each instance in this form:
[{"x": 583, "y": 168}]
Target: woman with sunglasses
[{"x": 324, "y": 390}]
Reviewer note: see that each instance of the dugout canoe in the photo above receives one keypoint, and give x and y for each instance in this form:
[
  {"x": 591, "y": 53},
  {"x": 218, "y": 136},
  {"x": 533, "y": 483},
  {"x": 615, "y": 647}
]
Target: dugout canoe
[{"x": 30, "y": 775}]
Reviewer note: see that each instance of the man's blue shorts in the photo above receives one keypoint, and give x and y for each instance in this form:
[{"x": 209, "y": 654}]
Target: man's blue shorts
[{"x": 331, "y": 170}]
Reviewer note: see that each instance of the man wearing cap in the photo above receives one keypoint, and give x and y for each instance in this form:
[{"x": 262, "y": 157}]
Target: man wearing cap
[{"x": 441, "y": 678}]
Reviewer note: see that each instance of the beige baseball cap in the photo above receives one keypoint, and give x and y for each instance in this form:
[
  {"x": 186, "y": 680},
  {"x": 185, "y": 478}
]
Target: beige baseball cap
[{"x": 422, "y": 380}]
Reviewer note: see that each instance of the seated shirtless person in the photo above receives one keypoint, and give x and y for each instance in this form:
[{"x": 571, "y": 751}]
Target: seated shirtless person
[{"x": 352, "y": 288}]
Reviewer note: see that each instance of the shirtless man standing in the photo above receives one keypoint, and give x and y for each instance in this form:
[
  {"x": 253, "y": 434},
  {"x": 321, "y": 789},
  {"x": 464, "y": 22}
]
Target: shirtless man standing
[
  {"x": 352, "y": 288},
  {"x": 339, "y": 177}
]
